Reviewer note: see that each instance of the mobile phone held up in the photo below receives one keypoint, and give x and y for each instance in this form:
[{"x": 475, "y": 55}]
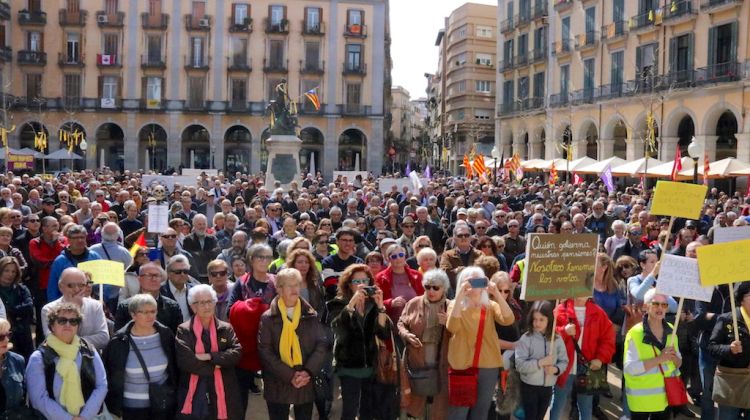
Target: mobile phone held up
[{"x": 478, "y": 283}]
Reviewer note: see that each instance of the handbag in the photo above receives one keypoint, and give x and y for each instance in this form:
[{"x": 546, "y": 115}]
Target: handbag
[
  {"x": 424, "y": 381},
  {"x": 462, "y": 383},
  {"x": 508, "y": 392},
  {"x": 589, "y": 381},
  {"x": 732, "y": 387},
  {"x": 161, "y": 396},
  {"x": 387, "y": 369},
  {"x": 674, "y": 387}
]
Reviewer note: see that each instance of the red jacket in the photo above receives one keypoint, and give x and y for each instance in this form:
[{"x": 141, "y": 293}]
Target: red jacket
[
  {"x": 384, "y": 280},
  {"x": 245, "y": 319},
  {"x": 598, "y": 334},
  {"x": 43, "y": 254}
]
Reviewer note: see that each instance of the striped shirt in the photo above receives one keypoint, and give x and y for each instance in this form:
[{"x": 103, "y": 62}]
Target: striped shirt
[{"x": 136, "y": 385}]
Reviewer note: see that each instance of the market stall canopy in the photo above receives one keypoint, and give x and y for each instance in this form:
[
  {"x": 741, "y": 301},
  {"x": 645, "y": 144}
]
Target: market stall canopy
[
  {"x": 598, "y": 167},
  {"x": 63, "y": 154},
  {"x": 532, "y": 164},
  {"x": 665, "y": 170},
  {"x": 29, "y": 151},
  {"x": 742, "y": 172},
  {"x": 547, "y": 164},
  {"x": 12, "y": 151},
  {"x": 719, "y": 169},
  {"x": 636, "y": 166}
]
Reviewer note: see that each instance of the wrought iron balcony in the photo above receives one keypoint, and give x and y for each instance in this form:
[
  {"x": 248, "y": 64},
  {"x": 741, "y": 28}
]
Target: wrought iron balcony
[
  {"x": 69, "y": 60},
  {"x": 197, "y": 62},
  {"x": 355, "y": 31},
  {"x": 559, "y": 100},
  {"x": 587, "y": 40},
  {"x": 110, "y": 20},
  {"x": 356, "y": 69},
  {"x": 645, "y": 20},
  {"x": 312, "y": 68},
  {"x": 245, "y": 25},
  {"x": 313, "y": 28},
  {"x": 36, "y": 17},
  {"x": 677, "y": 11},
  {"x": 6, "y": 54},
  {"x": 275, "y": 66},
  {"x": 4, "y": 10},
  {"x": 68, "y": 18},
  {"x": 718, "y": 73},
  {"x": 584, "y": 96},
  {"x": 522, "y": 59},
  {"x": 507, "y": 25},
  {"x": 538, "y": 55},
  {"x": 149, "y": 61},
  {"x": 679, "y": 79},
  {"x": 539, "y": 11},
  {"x": 195, "y": 23},
  {"x": 717, "y": 5},
  {"x": 240, "y": 63},
  {"x": 614, "y": 30},
  {"x": 34, "y": 58},
  {"x": 277, "y": 27},
  {"x": 561, "y": 47},
  {"x": 561, "y": 5},
  {"x": 160, "y": 21}
]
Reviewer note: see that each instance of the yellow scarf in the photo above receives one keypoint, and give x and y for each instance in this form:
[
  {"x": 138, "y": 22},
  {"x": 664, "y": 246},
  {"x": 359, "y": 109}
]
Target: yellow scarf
[
  {"x": 745, "y": 316},
  {"x": 71, "y": 395},
  {"x": 289, "y": 348}
]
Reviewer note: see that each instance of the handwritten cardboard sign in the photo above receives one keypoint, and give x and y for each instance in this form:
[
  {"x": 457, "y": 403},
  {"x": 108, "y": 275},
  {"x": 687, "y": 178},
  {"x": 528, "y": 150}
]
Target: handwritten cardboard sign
[
  {"x": 105, "y": 272},
  {"x": 679, "y": 277},
  {"x": 729, "y": 234},
  {"x": 724, "y": 263},
  {"x": 559, "y": 266},
  {"x": 678, "y": 199}
]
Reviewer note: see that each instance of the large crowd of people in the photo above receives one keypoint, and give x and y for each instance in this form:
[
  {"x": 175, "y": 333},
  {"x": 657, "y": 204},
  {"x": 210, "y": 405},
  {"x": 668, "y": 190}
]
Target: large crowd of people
[{"x": 400, "y": 302}]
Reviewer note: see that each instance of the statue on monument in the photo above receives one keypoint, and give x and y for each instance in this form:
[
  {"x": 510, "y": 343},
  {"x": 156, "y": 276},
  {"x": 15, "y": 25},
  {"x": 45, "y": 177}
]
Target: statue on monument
[{"x": 283, "y": 112}]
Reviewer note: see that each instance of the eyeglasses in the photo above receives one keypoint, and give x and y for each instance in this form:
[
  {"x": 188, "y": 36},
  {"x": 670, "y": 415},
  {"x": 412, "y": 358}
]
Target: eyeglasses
[
  {"x": 431, "y": 287},
  {"x": 360, "y": 281},
  {"x": 203, "y": 302},
  {"x": 218, "y": 273},
  {"x": 397, "y": 255},
  {"x": 5, "y": 336},
  {"x": 663, "y": 305},
  {"x": 73, "y": 322},
  {"x": 264, "y": 257},
  {"x": 462, "y": 235},
  {"x": 169, "y": 236},
  {"x": 75, "y": 285},
  {"x": 180, "y": 272}
]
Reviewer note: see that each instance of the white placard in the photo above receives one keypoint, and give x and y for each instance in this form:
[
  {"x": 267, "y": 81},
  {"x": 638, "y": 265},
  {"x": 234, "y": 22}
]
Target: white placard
[
  {"x": 198, "y": 172},
  {"x": 168, "y": 181},
  {"x": 385, "y": 184},
  {"x": 731, "y": 234},
  {"x": 158, "y": 218},
  {"x": 679, "y": 277}
]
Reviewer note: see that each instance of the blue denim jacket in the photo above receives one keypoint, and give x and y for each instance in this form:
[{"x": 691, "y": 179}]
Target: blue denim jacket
[{"x": 13, "y": 380}]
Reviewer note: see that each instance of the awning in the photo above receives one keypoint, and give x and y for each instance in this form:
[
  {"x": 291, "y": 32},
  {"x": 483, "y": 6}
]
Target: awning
[
  {"x": 665, "y": 170},
  {"x": 633, "y": 168},
  {"x": 598, "y": 167},
  {"x": 63, "y": 154}
]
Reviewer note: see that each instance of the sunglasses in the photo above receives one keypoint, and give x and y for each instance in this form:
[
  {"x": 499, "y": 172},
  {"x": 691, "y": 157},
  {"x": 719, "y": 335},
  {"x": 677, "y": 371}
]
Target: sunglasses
[
  {"x": 218, "y": 273},
  {"x": 397, "y": 255},
  {"x": 431, "y": 287},
  {"x": 462, "y": 235},
  {"x": 179, "y": 271},
  {"x": 73, "y": 322},
  {"x": 169, "y": 236},
  {"x": 663, "y": 305}
]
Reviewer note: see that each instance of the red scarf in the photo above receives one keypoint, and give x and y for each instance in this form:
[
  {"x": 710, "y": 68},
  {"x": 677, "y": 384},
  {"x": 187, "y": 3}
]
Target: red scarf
[{"x": 221, "y": 404}]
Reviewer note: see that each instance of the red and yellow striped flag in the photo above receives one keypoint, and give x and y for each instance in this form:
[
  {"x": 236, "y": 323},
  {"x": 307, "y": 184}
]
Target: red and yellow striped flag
[{"x": 467, "y": 165}]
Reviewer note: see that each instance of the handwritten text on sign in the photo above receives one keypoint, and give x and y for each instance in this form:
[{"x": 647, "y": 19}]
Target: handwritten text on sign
[
  {"x": 678, "y": 277},
  {"x": 559, "y": 266},
  {"x": 724, "y": 263},
  {"x": 678, "y": 199}
]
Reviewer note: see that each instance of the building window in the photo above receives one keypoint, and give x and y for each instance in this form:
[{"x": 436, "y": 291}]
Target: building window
[
  {"x": 461, "y": 86},
  {"x": 353, "y": 57},
  {"x": 199, "y": 9},
  {"x": 312, "y": 19},
  {"x": 460, "y": 115},
  {"x": 111, "y": 44},
  {"x": 73, "y": 6},
  {"x": 616, "y": 74},
  {"x": 196, "y": 94},
  {"x": 239, "y": 52},
  {"x": 154, "y": 48},
  {"x": 73, "y": 48},
  {"x": 33, "y": 86},
  {"x": 588, "y": 77},
  {"x": 276, "y": 14},
  {"x": 460, "y": 33},
  {"x": 72, "y": 89},
  {"x": 508, "y": 92},
  {"x": 539, "y": 85},
  {"x": 239, "y": 93},
  {"x": 484, "y": 32},
  {"x": 196, "y": 51},
  {"x": 312, "y": 55},
  {"x": 354, "y": 17},
  {"x": 154, "y": 7},
  {"x": 353, "y": 96},
  {"x": 508, "y": 52},
  {"x": 35, "y": 5},
  {"x": 523, "y": 88},
  {"x": 241, "y": 14},
  {"x": 564, "y": 81},
  {"x": 153, "y": 92},
  {"x": 484, "y": 59},
  {"x": 523, "y": 46},
  {"x": 108, "y": 93},
  {"x": 482, "y": 114},
  {"x": 461, "y": 59},
  {"x": 34, "y": 41},
  {"x": 110, "y": 6},
  {"x": 276, "y": 58},
  {"x": 483, "y": 86},
  {"x": 722, "y": 44}
]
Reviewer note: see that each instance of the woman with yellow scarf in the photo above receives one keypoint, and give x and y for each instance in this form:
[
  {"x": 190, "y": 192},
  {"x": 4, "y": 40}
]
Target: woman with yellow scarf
[
  {"x": 66, "y": 376},
  {"x": 292, "y": 347}
]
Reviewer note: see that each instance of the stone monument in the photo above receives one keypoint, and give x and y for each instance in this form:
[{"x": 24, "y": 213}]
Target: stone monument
[{"x": 283, "y": 146}]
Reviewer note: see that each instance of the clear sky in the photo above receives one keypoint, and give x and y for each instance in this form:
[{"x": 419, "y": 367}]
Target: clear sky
[{"x": 414, "y": 28}]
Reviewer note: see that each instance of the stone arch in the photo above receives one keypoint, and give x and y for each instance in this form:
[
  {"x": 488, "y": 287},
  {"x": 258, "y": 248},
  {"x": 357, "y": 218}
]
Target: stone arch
[
  {"x": 608, "y": 130},
  {"x": 152, "y": 140},
  {"x": 237, "y": 149},
  {"x": 197, "y": 152},
  {"x": 726, "y": 136},
  {"x": 28, "y": 131},
  {"x": 311, "y": 154},
  {"x": 685, "y": 132},
  {"x": 673, "y": 120},
  {"x": 352, "y": 150},
  {"x": 620, "y": 140},
  {"x": 110, "y": 146},
  {"x": 590, "y": 137},
  {"x": 712, "y": 115}
]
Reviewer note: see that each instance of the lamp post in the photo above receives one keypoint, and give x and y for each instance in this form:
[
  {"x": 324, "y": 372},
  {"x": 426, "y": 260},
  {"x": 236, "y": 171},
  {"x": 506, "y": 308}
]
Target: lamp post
[
  {"x": 495, "y": 156},
  {"x": 695, "y": 150},
  {"x": 84, "y": 146}
]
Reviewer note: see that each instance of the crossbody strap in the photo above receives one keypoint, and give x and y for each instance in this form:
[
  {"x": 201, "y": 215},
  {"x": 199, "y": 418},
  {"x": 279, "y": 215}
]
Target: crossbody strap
[
  {"x": 579, "y": 351},
  {"x": 140, "y": 358},
  {"x": 478, "y": 345},
  {"x": 660, "y": 369}
]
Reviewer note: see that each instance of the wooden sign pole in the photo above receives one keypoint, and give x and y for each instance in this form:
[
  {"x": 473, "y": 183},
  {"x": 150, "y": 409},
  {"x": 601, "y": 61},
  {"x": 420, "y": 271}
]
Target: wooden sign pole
[
  {"x": 734, "y": 312},
  {"x": 554, "y": 327}
]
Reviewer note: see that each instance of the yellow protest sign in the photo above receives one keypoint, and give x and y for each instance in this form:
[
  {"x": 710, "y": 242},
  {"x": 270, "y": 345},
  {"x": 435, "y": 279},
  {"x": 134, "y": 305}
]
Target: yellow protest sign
[
  {"x": 105, "y": 272},
  {"x": 724, "y": 263},
  {"x": 678, "y": 199}
]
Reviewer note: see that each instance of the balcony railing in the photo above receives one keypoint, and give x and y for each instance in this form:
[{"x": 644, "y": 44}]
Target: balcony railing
[
  {"x": 4, "y": 11},
  {"x": 277, "y": 27},
  {"x": 26, "y": 17},
  {"x": 355, "y": 109},
  {"x": 561, "y": 47},
  {"x": 238, "y": 105},
  {"x": 614, "y": 30},
  {"x": 678, "y": 79},
  {"x": 313, "y": 28},
  {"x": 196, "y": 105},
  {"x": 716, "y": 4},
  {"x": 506, "y": 65},
  {"x": 646, "y": 84},
  {"x": 38, "y": 58},
  {"x": 6, "y": 54},
  {"x": 718, "y": 73},
  {"x": 312, "y": 68},
  {"x": 355, "y": 31},
  {"x": 359, "y": 69},
  {"x": 240, "y": 63},
  {"x": 644, "y": 20},
  {"x": 68, "y": 18},
  {"x": 507, "y": 25},
  {"x": 611, "y": 91},
  {"x": 522, "y": 59},
  {"x": 195, "y": 23},
  {"x": 522, "y": 105},
  {"x": 524, "y": 17},
  {"x": 587, "y": 40},
  {"x": 275, "y": 66},
  {"x": 245, "y": 25},
  {"x": 563, "y": 4},
  {"x": 149, "y": 61},
  {"x": 104, "y": 61},
  {"x": 197, "y": 62},
  {"x": 69, "y": 60},
  {"x": 539, "y": 54},
  {"x": 558, "y": 100},
  {"x": 539, "y": 11},
  {"x": 160, "y": 21},
  {"x": 110, "y": 20},
  {"x": 679, "y": 9},
  {"x": 584, "y": 96}
]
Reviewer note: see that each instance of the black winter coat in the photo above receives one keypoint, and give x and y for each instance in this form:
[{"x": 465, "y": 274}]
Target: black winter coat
[
  {"x": 723, "y": 335},
  {"x": 354, "y": 343}
]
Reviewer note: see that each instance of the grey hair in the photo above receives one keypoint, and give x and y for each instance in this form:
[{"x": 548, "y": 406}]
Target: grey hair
[
  {"x": 436, "y": 277},
  {"x": 469, "y": 273},
  {"x": 128, "y": 204},
  {"x": 619, "y": 223},
  {"x": 194, "y": 291},
  {"x": 650, "y": 295},
  {"x": 232, "y": 216},
  {"x": 154, "y": 264},
  {"x": 110, "y": 237},
  {"x": 257, "y": 249},
  {"x": 283, "y": 246},
  {"x": 179, "y": 258},
  {"x": 76, "y": 230},
  {"x": 136, "y": 302},
  {"x": 426, "y": 252}
]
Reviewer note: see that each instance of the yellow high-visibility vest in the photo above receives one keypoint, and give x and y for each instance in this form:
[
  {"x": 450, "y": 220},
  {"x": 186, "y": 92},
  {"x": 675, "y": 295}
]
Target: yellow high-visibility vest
[{"x": 645, "y": 392}]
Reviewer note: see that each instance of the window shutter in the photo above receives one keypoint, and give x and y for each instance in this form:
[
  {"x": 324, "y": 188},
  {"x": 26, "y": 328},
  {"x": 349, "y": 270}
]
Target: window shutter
[
  {"x": 144, "y": 88},
  {"x": 162, "y": 89},
  {"x": 119, "y": 88},
  {"x": 100, "y": 86},
  {"x": 733, "y": 47},
  {"x": 234, "y": 10},
  {"x": 712, "y": 46},
  {"x": 41, "y": 41},
  {"x": 638, "y": 62},
  {"x": 673, "y": 55},
  {"x": 284, "y": 12},
  {"x": 691, "y": 46}
]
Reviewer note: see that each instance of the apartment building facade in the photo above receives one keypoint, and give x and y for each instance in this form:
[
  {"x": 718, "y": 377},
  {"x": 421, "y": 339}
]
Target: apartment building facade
[
  {"x": 168, "y": 83},
  {"x": 463, "y": 88},
  {"x": 589, "y": 74}
]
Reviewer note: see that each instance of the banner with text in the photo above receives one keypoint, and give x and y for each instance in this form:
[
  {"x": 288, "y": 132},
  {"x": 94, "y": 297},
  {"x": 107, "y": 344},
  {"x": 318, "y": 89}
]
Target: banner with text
[
  {"x": 678, "y": 199},
  {"x": 18, "y": 162},
  {"x": 679, "y": 277},
  {"x": 724, "y": 263},
  {"x": 559, "y": 266}
]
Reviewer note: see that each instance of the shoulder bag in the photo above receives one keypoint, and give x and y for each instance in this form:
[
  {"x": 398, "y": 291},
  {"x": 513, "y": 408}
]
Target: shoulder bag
[
  {"x": 674, "y": 387},
  {"x": 732, "y": 387},
  {"x": 386, "y": 371},
  {"x": 161, "y": 396},
  {"x": 462, "y": 383},
  {"x": 589, "y": 381}
]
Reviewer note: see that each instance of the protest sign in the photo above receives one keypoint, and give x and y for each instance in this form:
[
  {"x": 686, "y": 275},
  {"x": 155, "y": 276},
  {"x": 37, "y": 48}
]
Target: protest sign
[
  {"x": 168, "y": 181},
  {"x": 559, "y": 266},
  {"x": 679, "y": 277},
  {"x": 724, "y": 263},
  {"x": 678, "y": 200},
  {"x": 17, "y": 162},
  {"x": 158, "y": 218},
  {"x": 729, "y": 234},
  {"x": 105, "y": 272}
]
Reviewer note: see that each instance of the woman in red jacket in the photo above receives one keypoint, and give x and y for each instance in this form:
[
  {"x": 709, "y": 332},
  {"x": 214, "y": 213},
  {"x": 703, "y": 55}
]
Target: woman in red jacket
[
  {"x": 398, "y": 282},
  {"x": 582, "y": 320}
]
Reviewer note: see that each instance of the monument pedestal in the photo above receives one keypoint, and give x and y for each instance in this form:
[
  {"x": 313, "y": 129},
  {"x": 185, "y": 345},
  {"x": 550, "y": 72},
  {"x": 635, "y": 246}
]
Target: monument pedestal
[{"x": 283, "y": 160}]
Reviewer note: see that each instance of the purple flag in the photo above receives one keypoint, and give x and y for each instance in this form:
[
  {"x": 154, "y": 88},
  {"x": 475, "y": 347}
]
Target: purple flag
[
  {"x": 408, "y": 168},
  {"x": 606, "y": 177},
  {"x": 427, "y": 172}
]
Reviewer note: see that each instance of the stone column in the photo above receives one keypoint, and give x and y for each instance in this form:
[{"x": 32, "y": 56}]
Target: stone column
[
  {"x": 174, "y": 142},
  {"x": 606, "y": 148},
  {"x": 709, "y": 145},
  {"x": 130, "y": 143},
  {"x": 374, "y": 149},
  {"x": 667, "y": 147},
  {"x": 330, "y": 149},
  {"x": 743, "y": 146},
  {"x": 579, "y": 148},
  {"x": 634, "y": 149},
  {"x": 217, "y": 143}
]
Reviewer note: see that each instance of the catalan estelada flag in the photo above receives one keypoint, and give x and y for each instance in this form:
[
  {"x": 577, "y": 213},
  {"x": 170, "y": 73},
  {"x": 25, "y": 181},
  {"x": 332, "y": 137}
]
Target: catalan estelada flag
[
  {"x": 312, "y": 96},
  {"x": 138, "y": 244}
]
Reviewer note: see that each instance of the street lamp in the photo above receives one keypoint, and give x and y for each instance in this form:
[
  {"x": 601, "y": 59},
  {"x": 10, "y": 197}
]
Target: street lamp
[
  {"x": 495, "y": 156},
  {"x": 695, "y": 150}
]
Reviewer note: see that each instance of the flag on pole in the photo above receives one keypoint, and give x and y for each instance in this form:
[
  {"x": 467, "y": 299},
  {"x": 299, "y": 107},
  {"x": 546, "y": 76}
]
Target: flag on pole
[
  {"x": 467, "y": 166},
  {"x": 706, "y": 168},
  {"x": 408, "y": 167},
  {"x": 553, "y": 178},
  {"x": 479, "y": 167},
  {"x": 427, "y": 172},
  {"x": 312, "y": 96},
  {"x": 502, "y": 165},
  {"x": 577, "y": 179},
  {"x": 138, "y": 244},
  {"x": 606, "y": 177},
  {"x": 677, "y": 165}
]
